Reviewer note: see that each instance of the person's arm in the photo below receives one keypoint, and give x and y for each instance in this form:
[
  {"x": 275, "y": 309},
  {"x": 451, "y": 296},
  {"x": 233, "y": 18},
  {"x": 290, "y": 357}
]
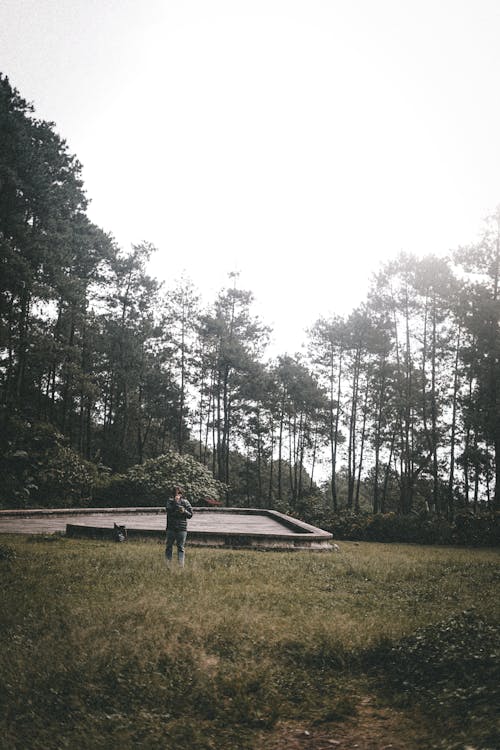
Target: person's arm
[{"x": 188, "y": 508}]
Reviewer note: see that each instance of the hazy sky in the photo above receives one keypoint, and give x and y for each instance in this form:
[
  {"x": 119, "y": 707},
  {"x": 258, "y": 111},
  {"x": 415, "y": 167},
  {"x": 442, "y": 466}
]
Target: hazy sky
[{"x": 300, "y": 142}]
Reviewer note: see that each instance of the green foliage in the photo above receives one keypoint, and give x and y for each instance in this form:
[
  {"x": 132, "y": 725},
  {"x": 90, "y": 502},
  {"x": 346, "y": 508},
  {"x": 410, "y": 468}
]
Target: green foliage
[
  {"x": 38, "y": 468},
  {"x": 65, "y": 478},
  {"x": 311, "y": 509},
  {"x": 466, "y": 529},
  {"x": 477, "y": 530},
  {"x": 449, "y": 668},
  {"x": 390, "y": 527},
  {"x": 152, "y": 482}
]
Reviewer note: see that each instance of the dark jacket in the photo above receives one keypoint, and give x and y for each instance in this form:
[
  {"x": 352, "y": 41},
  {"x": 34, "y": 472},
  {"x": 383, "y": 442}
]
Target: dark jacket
[{"x": 177, "y": 519}]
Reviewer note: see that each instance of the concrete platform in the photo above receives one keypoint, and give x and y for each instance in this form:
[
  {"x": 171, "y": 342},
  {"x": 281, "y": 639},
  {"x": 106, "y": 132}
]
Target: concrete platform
[{"x": 237, "y": 528}]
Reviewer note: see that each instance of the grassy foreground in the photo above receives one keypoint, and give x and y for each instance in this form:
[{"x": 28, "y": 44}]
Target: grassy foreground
[{"x": 102, "y": 647}]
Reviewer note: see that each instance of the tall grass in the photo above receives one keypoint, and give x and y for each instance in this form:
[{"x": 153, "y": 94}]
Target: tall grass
[{"x": 103, "y": 647}]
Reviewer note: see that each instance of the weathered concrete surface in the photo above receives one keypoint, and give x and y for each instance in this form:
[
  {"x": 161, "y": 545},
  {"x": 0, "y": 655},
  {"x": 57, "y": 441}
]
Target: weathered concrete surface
[{"x": 233, "y": 527}]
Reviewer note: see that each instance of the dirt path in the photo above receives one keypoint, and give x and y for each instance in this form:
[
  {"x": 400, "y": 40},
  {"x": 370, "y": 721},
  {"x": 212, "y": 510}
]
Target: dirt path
[{"x": 373, "y": 728}]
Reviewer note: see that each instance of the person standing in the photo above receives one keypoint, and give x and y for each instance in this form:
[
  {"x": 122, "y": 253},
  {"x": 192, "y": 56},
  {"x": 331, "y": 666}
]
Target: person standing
[{"x": 179, "y": 510}]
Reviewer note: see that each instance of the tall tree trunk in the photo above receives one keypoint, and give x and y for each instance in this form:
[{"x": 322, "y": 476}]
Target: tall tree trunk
[
  {"x": 335, "y": 440},
  {"x": 383, "y": 501},
  {"x": 351, "y": 451},
  {"x": 451, "y": 477},
  {"x": 290, "y": 460},
  {"x": 220, "y": 464},
  {"x": 270, "y": 496},
  {"x": 495, "y": 374},
  {"x": 10, "y": 376},
  {"x": 259, "y": 459},
  {"x": 301, "y": 447},
  {"x": 361, "y": 452},
  {"x": 280, "y": 449},
  {"x": 23, "y": 343},
  {"x": 313, "y": 464},
  {"x": 435, "y": 468},
  {"x": 496, "y": 497},
  {"x": 467, "y": 443},
  {"x": 476, "y": 472},
  {"x": 183, "y": 378},
  {"x": 378, "y": 436},
  {"x": 67, "y": 408}
]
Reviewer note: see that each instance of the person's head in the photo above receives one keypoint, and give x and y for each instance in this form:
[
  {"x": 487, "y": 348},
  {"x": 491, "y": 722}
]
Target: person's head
[{"x": 177, "y": 492}]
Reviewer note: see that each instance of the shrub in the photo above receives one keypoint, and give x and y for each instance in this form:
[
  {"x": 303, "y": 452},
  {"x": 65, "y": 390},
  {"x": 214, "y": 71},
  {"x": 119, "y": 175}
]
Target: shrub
[
  {"x": 477, "y": 530},
  {"x": 65, "y": 478},
  {"x": 466, "y": 529},
  {"x": 150, "y": 483},
  {"x": 311, "y": 510},
  {"x": 38, "y": 468}
]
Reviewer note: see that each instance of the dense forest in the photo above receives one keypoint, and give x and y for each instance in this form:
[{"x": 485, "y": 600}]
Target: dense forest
[{"x": 102, "y": 368}]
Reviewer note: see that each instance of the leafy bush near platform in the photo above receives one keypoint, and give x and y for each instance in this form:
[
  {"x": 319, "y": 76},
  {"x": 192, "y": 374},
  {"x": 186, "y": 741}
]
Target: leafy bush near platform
[
  {"x": 465, "y": 529},
  {"x": 39, "y": 469},
  {"x": 151, "y": 483},
  {"x": 477, "y": 530}
]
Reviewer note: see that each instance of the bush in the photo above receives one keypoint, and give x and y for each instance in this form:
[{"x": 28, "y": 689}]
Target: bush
[
  {"x": 151, "y": 483},
  {"x": 38, "y": 468},
  {"x": 312, "y": 509},
  {"x": 466, "y": 529},
  {"x": 477, "y": 530}
]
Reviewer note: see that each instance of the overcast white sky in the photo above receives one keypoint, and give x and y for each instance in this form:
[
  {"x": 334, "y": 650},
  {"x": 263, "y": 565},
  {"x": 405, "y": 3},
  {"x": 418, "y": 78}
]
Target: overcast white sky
[{"x": 300, "y": 142}]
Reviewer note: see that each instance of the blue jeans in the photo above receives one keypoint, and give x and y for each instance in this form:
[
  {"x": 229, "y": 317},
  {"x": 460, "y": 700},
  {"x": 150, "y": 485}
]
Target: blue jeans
[{"x": 179, "y": 537}]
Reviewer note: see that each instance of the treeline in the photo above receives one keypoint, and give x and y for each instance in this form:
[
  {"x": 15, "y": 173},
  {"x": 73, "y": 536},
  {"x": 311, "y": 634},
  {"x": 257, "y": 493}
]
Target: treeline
[{"x": 397, "y": 403}]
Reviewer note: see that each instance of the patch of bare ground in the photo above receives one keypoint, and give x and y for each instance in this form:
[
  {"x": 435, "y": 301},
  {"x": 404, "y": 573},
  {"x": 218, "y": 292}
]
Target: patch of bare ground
[{"x": 373, "y": 727}]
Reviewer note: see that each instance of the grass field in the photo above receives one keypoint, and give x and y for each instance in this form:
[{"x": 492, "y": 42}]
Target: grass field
[{"x": 102, "y": 647}]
